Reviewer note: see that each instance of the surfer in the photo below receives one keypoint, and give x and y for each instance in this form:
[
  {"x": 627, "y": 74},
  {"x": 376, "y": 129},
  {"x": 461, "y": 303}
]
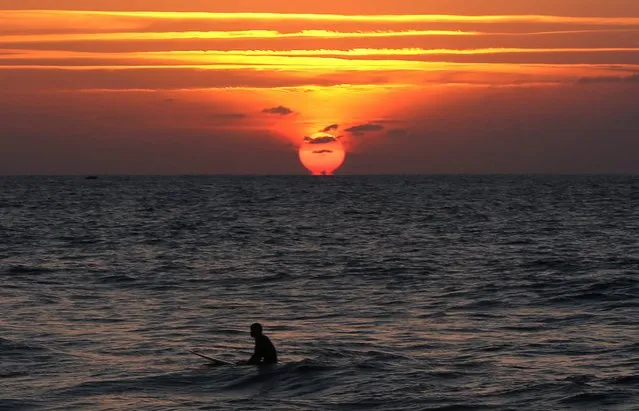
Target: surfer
[{"x": 265, "y": 352}]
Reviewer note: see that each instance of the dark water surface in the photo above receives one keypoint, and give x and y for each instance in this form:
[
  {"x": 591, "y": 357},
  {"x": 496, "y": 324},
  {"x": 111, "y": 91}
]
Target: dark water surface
[{"x": 390, "y": 293}]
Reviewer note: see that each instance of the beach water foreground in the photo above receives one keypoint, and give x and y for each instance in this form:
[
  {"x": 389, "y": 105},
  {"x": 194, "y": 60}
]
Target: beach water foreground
[{"x": 389, "y": 293}]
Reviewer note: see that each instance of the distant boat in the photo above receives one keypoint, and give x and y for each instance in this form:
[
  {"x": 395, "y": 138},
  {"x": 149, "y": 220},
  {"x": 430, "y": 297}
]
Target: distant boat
[{"x": 91, "y": 178}]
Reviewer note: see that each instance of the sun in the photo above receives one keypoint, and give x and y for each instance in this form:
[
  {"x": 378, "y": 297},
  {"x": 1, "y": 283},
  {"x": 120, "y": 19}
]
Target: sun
[{"x": 322, "y": 153}]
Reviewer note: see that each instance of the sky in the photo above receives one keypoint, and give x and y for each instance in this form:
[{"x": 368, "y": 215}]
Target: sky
[{"x": 405, "y": 86}]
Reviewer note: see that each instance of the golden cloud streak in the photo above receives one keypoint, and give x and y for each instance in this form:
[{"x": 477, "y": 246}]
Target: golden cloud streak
[
  {"x": 321, "y": 65},
  {"x": 411, "y": 51},
  {"x": 224, "y": 35},
  {"x": 410, "y": 18},
  {"x": 204, "y": 55},
  {"x": 270, "y": 34},
  {"x": 397, "y": 65},
  {"x": 308, "y": 64}
]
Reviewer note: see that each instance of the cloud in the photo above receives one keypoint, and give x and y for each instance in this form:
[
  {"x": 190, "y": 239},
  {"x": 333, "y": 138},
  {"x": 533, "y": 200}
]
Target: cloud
[
  {"x": 281, "y": 110},
  {"x": 320, "y": 140},
  {"x": 129, "y": 20},
  {"x": 332, "y": 127},
  {"x": 364, "y": 128},
  {"x": 322, "y": 152},
  {"x": 228, "y": 116},
  {"x": 609, "y": 79}
]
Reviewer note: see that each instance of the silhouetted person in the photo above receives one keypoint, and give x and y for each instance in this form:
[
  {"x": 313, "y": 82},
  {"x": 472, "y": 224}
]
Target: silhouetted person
[{"x": 264, "y": 349}]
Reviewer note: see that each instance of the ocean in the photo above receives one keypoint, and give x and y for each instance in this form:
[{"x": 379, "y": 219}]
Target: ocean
[{"x": 380, "y": 293}]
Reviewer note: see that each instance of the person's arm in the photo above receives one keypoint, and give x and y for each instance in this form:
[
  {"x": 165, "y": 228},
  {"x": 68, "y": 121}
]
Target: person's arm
[{"x": 257, "y": 355}]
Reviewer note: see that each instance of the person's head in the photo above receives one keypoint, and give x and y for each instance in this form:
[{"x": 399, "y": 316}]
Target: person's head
[{"x": 256, "y": 330}]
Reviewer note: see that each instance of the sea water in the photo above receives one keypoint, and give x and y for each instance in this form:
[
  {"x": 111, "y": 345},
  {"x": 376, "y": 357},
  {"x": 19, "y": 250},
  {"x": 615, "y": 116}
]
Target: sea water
[{"x": 380, "y": 293}]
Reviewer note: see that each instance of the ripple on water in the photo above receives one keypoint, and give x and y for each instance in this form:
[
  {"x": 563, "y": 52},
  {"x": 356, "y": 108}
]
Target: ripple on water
[{"x": 30, "y": 270}]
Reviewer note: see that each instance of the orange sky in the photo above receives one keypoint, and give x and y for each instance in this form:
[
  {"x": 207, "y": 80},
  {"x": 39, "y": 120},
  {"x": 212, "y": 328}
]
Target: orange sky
[{"x": 174, "y": 87}]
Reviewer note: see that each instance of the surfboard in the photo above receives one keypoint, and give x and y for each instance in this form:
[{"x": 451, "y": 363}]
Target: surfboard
[{"x": 211, "y": 359}]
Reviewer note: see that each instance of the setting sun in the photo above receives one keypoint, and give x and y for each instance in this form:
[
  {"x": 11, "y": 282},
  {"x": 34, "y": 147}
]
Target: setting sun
[{"x": 322, "y": 153}]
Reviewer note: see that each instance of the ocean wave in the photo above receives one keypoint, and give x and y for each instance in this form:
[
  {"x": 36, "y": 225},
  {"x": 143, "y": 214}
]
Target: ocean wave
[
  {"x": 19, "y": 404},
  {"x": 632, "y": 380},
  {"x": 26, "y": 269},
  {"x": 8, "y": 346},
  {"x": 556, "y": 264},
  {"x": 116, "y": 279},
  {"x": 12, "y": 374},
  {"x": 588, "y": 398},
  {"x": 274, "y": 278},
  {"x": 287, "y": 376},
  {"x": 634, "y": 347}
]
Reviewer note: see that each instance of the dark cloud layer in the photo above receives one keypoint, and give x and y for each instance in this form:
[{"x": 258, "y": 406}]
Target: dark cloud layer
[
  {"x": 609, "y": 79},
  {"x": 364, "y": 128},
  {"x": 281, "y": 110},
  {"x": 320, "y": 140},
  {"x": 332, "y": 127}
]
